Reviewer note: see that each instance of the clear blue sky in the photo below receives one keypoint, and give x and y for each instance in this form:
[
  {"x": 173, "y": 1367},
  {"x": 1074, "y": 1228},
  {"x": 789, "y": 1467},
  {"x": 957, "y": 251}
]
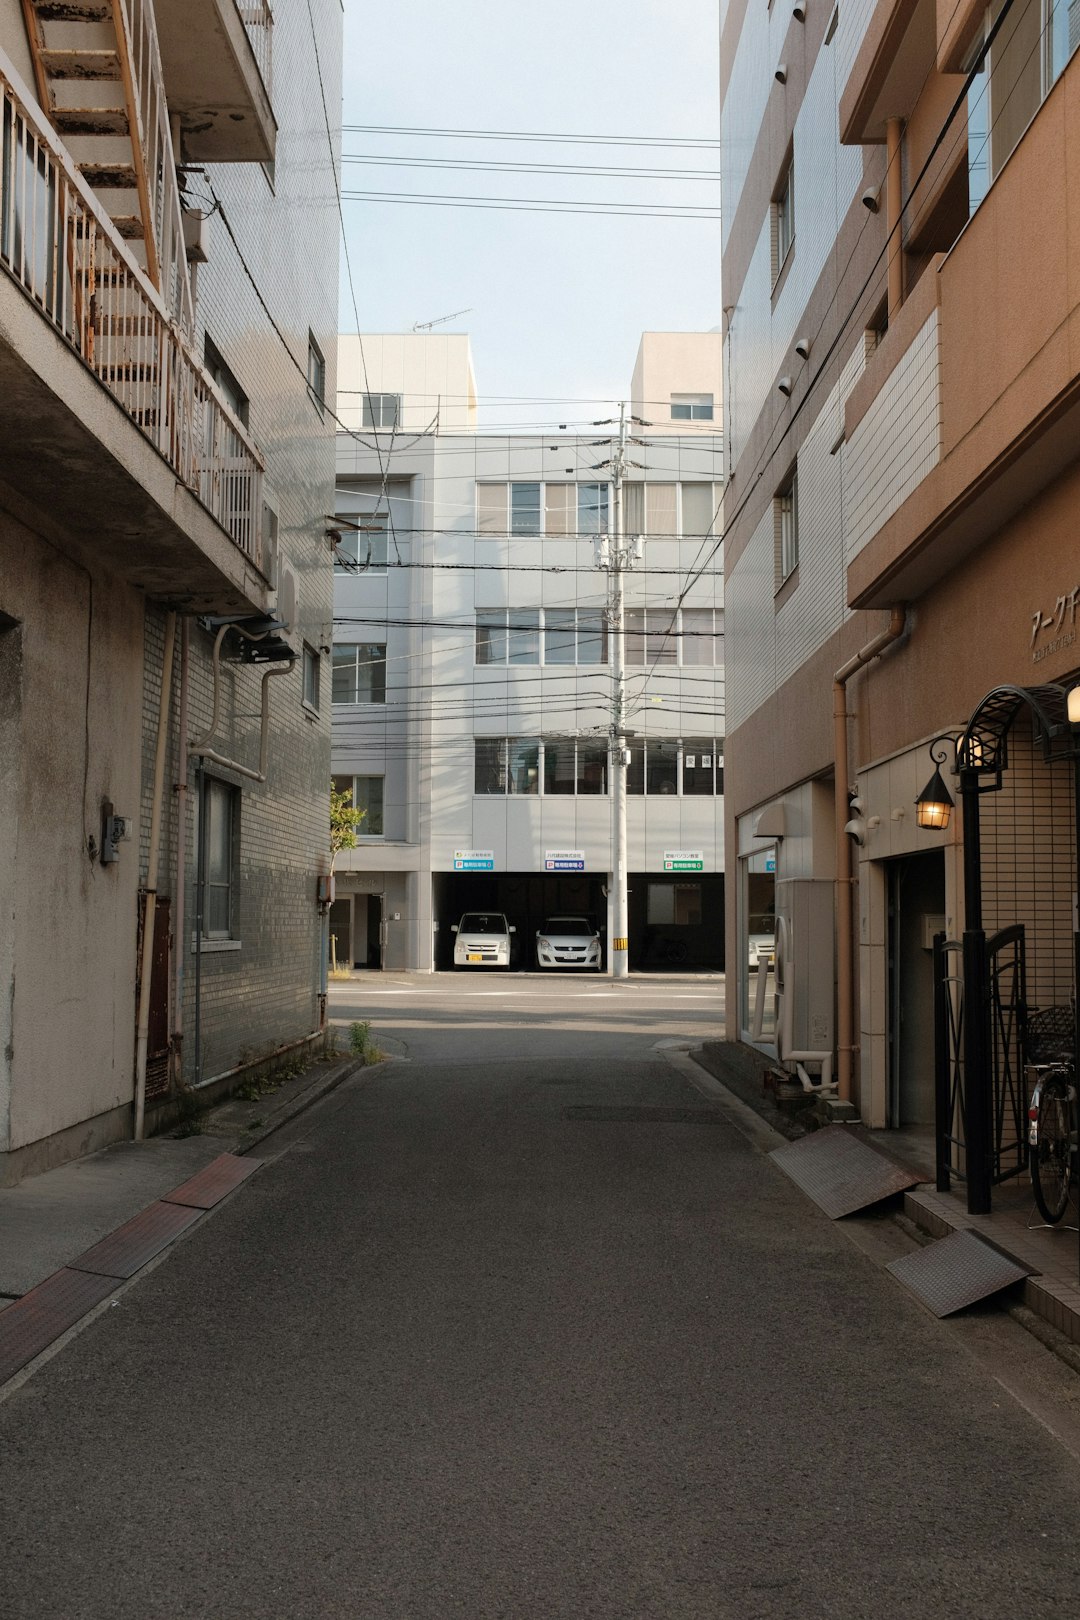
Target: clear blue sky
[{"x": 557, "y": 302}]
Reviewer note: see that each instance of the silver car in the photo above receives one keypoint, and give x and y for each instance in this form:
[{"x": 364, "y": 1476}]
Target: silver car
[
  {"x": 568, "y": 942},
  {"x": 483, "y": 940}
]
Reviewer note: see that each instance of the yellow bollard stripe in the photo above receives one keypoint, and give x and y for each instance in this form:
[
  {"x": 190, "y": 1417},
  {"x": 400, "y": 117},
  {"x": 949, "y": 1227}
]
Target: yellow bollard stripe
[{"x": 620, "y": 944}]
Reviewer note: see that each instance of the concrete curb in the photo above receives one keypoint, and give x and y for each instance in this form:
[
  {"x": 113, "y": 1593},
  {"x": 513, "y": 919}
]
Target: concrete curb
[{"x": 319, "y": 1088}]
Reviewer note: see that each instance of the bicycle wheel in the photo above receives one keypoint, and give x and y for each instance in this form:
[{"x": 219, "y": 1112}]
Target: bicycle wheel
[{"x": 1051, "y": 1156}]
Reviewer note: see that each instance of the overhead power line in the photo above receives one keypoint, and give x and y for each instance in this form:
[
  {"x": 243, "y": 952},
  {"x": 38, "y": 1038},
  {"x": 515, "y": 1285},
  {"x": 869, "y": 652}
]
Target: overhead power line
[
  {"x": 605, "y": 171},
  {"x": 522, "y": 205},
  {"x": 557, "y": 138}
]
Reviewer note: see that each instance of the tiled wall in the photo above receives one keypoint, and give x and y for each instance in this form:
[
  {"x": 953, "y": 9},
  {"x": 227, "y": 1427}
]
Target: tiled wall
[{"x": 897, "y": 442}]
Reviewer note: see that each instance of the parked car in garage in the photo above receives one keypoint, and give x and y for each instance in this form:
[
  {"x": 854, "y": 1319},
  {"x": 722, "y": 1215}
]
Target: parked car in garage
[
  {"x": 569, "y": 942},
  {"x": 483, "y": 940}
]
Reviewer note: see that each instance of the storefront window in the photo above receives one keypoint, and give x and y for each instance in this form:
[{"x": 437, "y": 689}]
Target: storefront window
[{"x": 757, "y": 945}]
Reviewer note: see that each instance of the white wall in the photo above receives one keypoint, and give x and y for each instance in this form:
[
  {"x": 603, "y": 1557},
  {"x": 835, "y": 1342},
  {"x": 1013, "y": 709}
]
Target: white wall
[{"x": 431, "y": 371}]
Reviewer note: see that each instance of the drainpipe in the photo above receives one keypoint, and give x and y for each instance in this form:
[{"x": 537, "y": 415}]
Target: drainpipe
[
  {"x": 894, "y": 203},
  {"x": 845, "y": 943},
  {"x": 179, "y": 914},
  {"x": 150, "y": 903}
]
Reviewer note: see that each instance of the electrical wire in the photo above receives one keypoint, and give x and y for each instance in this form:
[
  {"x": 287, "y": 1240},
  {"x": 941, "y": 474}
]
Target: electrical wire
[
  {"x": 541, "y": 206},
  {"x": 605, "y": 171},
  {"x": 559, "y": 138}
]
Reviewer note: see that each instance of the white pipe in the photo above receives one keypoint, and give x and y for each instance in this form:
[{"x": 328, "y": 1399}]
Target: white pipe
[
  {"x": 199, "y": 747},
  {"x": 150, "y": 904}
]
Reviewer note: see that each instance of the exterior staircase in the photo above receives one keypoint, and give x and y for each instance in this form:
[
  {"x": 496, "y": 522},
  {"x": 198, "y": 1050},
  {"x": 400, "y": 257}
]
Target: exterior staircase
[{"x": 98, "y": 75}]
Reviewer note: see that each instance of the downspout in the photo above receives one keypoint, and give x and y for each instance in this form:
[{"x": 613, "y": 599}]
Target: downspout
[
  {"x": 180, "y": 913},
  {"x": 845, "y": 943},
  {"x": 150, "y": 902}
]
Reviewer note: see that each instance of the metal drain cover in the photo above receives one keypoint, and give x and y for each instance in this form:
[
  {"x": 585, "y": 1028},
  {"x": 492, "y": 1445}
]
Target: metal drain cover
[
  {"x": 958, "y": 1271},
  {"x": 39, "y": 1317},
  {"x": 127, "y": 1250},
  {"x": 840, "y": 1172},
  {"x": 210, "y": 1185},
  {"x": 628, "y": 1114}
]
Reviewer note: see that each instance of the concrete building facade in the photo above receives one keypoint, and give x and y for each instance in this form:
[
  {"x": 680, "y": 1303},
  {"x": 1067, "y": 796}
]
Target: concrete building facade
[
  {"x": 473, "y": 680},
  {"x": 899, "y": 286},
  {"x": 168, "y": 296}
]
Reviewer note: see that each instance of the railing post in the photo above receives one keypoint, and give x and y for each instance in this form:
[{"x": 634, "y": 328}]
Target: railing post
[
  {"x": 978, "y": 1112},
  {"x": 942, "y": 1067}
]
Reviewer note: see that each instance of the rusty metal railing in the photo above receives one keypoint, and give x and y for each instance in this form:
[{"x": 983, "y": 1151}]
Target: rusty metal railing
[{"x": 61, "y": 247}]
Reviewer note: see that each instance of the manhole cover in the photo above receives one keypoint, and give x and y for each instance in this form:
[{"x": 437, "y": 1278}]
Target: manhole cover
[{"x": 627, "y": 1114}]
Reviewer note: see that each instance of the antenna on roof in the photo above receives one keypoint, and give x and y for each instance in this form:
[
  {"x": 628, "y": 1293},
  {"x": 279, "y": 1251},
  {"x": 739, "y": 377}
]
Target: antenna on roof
[{"x": 425, "y": 326}]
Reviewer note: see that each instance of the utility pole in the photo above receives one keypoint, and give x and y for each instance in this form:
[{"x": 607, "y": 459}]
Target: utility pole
[{"x": 615, "y": 555}]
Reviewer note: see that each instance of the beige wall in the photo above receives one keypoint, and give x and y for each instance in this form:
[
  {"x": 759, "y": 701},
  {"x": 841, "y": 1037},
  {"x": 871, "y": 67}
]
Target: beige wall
[
  {"x": 68, "y": 924},
  {"x": 431, "y": 371},
  {"x": 677, "y": 363},
  {"x": 13, "y": 42}
]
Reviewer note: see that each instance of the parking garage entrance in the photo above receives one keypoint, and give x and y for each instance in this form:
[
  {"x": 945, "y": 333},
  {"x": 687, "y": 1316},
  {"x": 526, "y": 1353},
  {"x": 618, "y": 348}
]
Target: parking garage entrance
[{"x": 674, "y": 924}]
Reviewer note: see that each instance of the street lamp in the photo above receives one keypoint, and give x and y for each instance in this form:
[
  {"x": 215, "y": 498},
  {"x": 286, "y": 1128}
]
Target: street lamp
[{"x": 934, "y": 805}]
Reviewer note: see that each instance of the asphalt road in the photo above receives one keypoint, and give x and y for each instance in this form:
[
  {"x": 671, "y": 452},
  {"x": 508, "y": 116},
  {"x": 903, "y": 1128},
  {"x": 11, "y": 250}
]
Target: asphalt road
[{"x": 482, "y": 1338}]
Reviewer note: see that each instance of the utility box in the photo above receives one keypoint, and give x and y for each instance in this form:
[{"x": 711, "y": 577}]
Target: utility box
[{"x": 807, "y": 940}]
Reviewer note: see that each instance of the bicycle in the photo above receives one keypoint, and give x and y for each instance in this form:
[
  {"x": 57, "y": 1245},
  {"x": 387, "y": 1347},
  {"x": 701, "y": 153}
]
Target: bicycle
[{"x": 1052, "y": 1113}]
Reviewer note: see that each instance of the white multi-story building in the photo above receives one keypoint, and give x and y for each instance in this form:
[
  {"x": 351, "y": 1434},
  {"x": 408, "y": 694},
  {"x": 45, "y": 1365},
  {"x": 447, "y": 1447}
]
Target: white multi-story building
[
  {"x": 472, "y": 682},
  {"x": 168, "y": 305}
]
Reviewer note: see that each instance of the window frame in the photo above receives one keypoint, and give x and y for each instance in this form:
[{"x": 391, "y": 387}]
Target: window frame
[
  {"x": 786, "y": 528},
  {"x": 378, "y": 688},
  {"x": 310, "y": 689},
  {"x": 216, "y": 790},
  {"x": 354, "y": 527},
  {"x": 368, "y": 413},
  {"x": 693, "y": 407},
  {"x": 316, "y": 374},
  {"x": 782, "y": 217}
]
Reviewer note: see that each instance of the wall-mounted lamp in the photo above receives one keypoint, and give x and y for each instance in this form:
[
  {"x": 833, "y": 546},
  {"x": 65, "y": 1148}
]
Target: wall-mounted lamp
[
  {"x": 1072, "y": 706},
  {"x": 934, "y": 805},
  {"x": 781, "y": 73}
]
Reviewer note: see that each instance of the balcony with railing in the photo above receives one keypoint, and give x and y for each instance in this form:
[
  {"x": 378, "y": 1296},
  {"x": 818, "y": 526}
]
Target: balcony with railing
[
  {"x": 216, "y": 56},
  {"x": 111, "y": 425}
]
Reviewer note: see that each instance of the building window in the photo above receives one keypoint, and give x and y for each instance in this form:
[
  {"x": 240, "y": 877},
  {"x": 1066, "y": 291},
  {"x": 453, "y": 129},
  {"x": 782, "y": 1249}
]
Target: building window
[
  {"x": 650, "y": 638},
  {"x": 555, "y": 767},
  {"x": 535, "y": 509},
  {"x": 507, "y": 765},
  {"x": 656, "y": 767},
  {"x": 691, "y": 407},
  {"x": 698, "y": 510},
  {"x": 786, "y": 529},
  {"x": 316, "y": 374},
  {"x": 701, "y": 638},
  {"x": 312, "y": 665},
  {"x": 783, "y": 218},
  {"x": 1036, "y": 41},
  {"x": 219, "y": 825},
  {"x": 382, "y": 411},
  {"x": 525, "y": 509},
  {"x": 515, "y": 636},
  {"x": 225, "y": 380},
  {"x": 366, "y": 793},
  {"x": 362, "y": 547},
  {"x": 359, "y": 672}
]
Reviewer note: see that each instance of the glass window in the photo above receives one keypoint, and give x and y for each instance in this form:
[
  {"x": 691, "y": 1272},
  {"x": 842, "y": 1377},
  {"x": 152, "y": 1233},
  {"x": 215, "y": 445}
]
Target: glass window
[
  {"x": 522, "y": 765},
  {"x": 491, "y": 638},
  {"x": 633, "y": 508},
  {"x": 592, "y": 767},
  {"x": 362, "y": 547},
  {"x": 635, "y": 769},
  {"x": 219, "y": 823},
  {"x": 559, "y": 766},
  {"x": 523, "y": 642},
  {"x": 699, "y": 767},
  {"x": 524, "y": 508},
  {"x": 698, "y": 510},
  {"x": 225, "y": 380},
  {"x": 660, "y": 903},
  {"x": 698, "y": 639},
  {"x": 783, "y": 219},
  {"x": 661, "y": 645},
  {"x": 316, "y": 374},
  {"x": 592, "y": 637},
  {"x": 592, "y": 508},
  {"x": 560, "y": 508},
  {"x": 634, "y": 635},
  {"x": 687, "y": 905},
  {"x": 382, "y": 410},
  {"x": 491, "y": 510},
  {"x": 660, "y": 508},
  {"x": 490, "y": 766},
  {"x": 787, "y": 520},
  {"x": 691, "y": 407},
  {"x": 359, "y": 673},
  {"x": 311, "y": 677},
  {"x": 661, "y": 767},
  {"x": 368, "y": 797},
  {"x": 560, "y": 636}
]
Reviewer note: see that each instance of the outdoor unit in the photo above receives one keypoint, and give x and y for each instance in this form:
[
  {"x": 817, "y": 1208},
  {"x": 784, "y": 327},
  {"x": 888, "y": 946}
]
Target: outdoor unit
[{"x": 806, "y": 1017}]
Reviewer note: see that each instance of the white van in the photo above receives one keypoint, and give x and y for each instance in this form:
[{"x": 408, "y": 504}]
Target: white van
[{"x": 483, "y": 940}]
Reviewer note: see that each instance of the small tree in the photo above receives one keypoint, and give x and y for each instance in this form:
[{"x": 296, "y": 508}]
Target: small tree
[{"x": 344, "y": 821}]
